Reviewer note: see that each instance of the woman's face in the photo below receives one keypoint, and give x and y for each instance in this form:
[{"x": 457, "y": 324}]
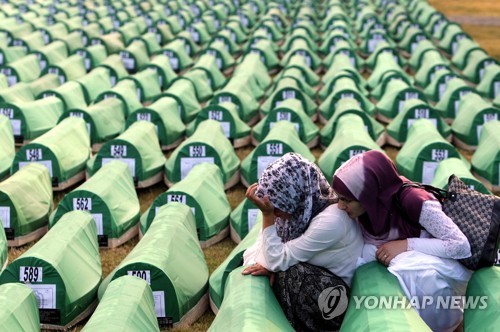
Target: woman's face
[{"x": 353, "y": 208}]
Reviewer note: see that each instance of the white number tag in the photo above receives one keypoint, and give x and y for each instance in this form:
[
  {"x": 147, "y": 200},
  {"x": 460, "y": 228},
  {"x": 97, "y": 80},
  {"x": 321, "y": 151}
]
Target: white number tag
[
  {"x": 144, "y": 117},
  {"x": 490, "y": 117},
  {"x": 421, "y": 113},
  {"x": 215, "y": 115},
  {"x": 274, "y": 149},
  {"x": 176, "y": 198},
  {"x": 29, "y": 274},
  {"x": 5, "y": 216},
  {"x": 252, "y": 217},
  {"x": 159, "y": 299},
  {"x": 428, "y": 171},
  {"x": 76, "y": 114},
  {"x": 144, "y": 274},
  {"x": 188, "y": 163},
  {"x": 496, "y": 90},
  {"x": 196, "y": 151},
  {"x": 225, "y": 99},
  {"x": 411, "y": 95},
  {"x": 33, "y": 154},
  {"x": 8, "y": 112},
  {"x": 287, "y": 116},
  {"x": 288, "y": 94},
  {"x": 439, "y": 154},
  {"x": 46, "y": 163},
  {"x": 118, "y": 151},
  {"x": 352, "y": 153},
  {"x": 82, "y": 204}
]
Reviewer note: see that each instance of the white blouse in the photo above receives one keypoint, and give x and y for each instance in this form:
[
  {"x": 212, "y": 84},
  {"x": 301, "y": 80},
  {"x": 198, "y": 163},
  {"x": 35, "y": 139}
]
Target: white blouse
[{"x": 332, "y": 240}]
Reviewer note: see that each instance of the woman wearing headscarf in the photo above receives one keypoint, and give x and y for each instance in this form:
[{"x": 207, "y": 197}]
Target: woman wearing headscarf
[
  {"x": 414, "y": 238},
  {"x": 307, "y": 240}
]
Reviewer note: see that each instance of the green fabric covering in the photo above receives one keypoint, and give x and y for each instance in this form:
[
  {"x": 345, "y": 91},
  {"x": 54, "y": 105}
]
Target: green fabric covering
[
  {"x": 296, "y": 74},
  {"x": 413, "y": 36},
  {"x": 436, "y": 88},
  {"x": 148, "y": 84},
  {"x": 207, "y": 144},
  {"x": 138, "y": 147},
  {"x": 199, "y": 33},
  {"x": 347, "y": 106},
  {"x": 341, "y": 67},
  {"x": 20, "y": 308},
  {"x": 299, "y": 34},
  {"x": 271, "y": 30},
  {"x": 127, "y": 92},
  {"x": 374, "y": 279},
  {"x": 218, "y": 49},
  {"x": 164, "y": 114},
  {"x": 110, "y": 197},
  {"x": 483, "y": 317},
  {"x": 343, "y": 47},
  {"x": 344, "y": 87},
  {"x": 68, "y": 264},
  {"x": 128, "y": 31},
  {"x": 112, "y": 41},
  {"x": 104, "y": 120},
  {"x": 424, "y": 149},
  {"x": 7, "y": 149},
  {"x": 336, "y": 16},
  {"x": 127, "y": 305},
  {"x": 115, "y": 65},
  {"x": 260, "y": 78},
  {"x": 88, "y": 32},
  {"x": 208, "y": 63},
  {"x": 201, "y": 81},
  {"x": 351, "y": 138},
  {"x": 418, "y": 54},
  {"x": 394, "y": 99},
  {"x": 69, "y": 69},
  {"x": 300, "y": 47},
  {"x": 240, "y": 94},
  {"x": 383, "y": 53},
  {"x": 466, "y": 47},
  {"x": 489, "y": 87},
  {"x": 33, "y": 118},
  {"x": 10, "y": 54},
  {"x": 432, "y": 61},
  {"x": 31, "y": 41},
  {"x": 218, "y": 278},
  {"x": 184, "y": 92},
  {"x": 203, "y": 191},
  {"x": 289, "y": 88},
  {"x": 177, "y": 54},
  {"x": 94, "y": 83},
  {"x": 64, "y": 150},
  {"x": 383, "y": 67},
  {"x": 249, "y": 305},
  {"x": 227, "y": 114},
  {"x": 191, "y": 48},
  {"x": 170, "y": 257},
  {"x": 26, "y": 69},
  {"x": 452, "y": 35},
  {"x": 163, "y": 32},
  {"x": 70, "y": 93},
  {"x": 477, "y": 65},
  {"x": 448, "y": 105},
  {"x": 19, "y": 92},
  {"x": 230, "y": 45},
  {"x": 93, "y": 55},
  {"x": 26, "y": 201},
  {"x": 279, "y": 140},
  {"x": 161, "y": 64},
  {"x": 135, "y": 55},
  {"x": 51, "y": 54},
  {"x": 289, "y": 110},
  {"x": 456, "y": 166},
  {"x": 415, "y": 109},
  {"x": 243, "y": 218},
  {"x": 48, "y": 81},
  {"x": 151, "y": 42},
  {"x": 473, "y": 113},
  {"x": 237, "y": 32},
  {"x": 372, "y": 39},
  {"x": 336, "y": 39},
  {"x": 73, "y": 40},
  {"x": 486, "y": 159},
  {"x": 268, "y": 56}
]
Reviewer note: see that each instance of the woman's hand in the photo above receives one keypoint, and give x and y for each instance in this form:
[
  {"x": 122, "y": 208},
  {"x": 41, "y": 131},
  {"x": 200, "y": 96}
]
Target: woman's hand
[
  {"x": 264, "y": 204},
  {"x": 258, "y": 270},
  {"x": 389, "y": 250}
]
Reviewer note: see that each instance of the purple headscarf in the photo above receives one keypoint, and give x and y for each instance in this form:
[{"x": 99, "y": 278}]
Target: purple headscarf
[
  {"x": 298, "y": 187},
  {"x": 372, "y": 179}
]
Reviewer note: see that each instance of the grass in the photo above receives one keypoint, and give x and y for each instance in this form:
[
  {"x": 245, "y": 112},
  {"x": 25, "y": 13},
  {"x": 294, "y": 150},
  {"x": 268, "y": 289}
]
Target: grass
[{"x": 486, "y": 36}]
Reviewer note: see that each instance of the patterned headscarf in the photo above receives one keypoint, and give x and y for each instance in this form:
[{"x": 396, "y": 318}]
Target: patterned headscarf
[{"x": 298, "y": 187}]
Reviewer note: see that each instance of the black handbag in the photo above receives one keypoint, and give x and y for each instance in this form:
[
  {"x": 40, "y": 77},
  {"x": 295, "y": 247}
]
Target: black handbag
[{"x": 476, "y": 214}]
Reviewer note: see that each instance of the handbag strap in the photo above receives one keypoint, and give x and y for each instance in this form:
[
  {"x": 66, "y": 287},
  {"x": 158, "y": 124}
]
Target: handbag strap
[{"x": 440, "y": 194}]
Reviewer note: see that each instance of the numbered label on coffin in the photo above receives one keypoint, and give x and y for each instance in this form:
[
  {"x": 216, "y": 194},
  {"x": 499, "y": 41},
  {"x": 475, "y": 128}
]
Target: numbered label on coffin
[
  {"x": 179, "y": 198},
  {"x": 30, "y": 274},
  {"x": 219, "y": 116},
  {"x": 5, "y": 216},
  {"x": 197, "y": 155},
  {"x": 85, "y": 204}
]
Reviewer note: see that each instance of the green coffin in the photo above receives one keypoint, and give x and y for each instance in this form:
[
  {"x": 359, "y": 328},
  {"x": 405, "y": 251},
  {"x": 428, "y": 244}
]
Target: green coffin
[
  {"x": 68, "y": 69},
  {"x": 242, "y": 219},
  {"x": 127, "y": 92},
  {"x": 127, "y": 305},
  {"x": 70, "y": 93},
  {"x": 208, "y": 63},
  {"x": 449, "y": 104},
  {"x": 394, "y": 99},
  {"x": 489, "y": 86},
  {"x": 178, "y": 55},
  {"x": 95, "y": 82},
  {"x": 184, "y": 92},
  {"x": 63, "y": 268},
  {"x": 25, "y": 69},
  {"x": 486, "y": 159},
  {"x": 93, "y": 56},
  {"x": 289, "y": 88},
  {"x": 20, "y": 308},
  {"x": 161, "y": 64},
  {"x": 437, "y": 86},
  {"x": 456, "y": 166},
  {"x": 7, "y": 148},
  {"x": 147, "y": 83},
  {"x": 110, "y": 197}
]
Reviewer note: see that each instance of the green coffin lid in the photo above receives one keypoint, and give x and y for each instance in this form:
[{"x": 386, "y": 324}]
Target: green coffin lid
[
  {"x": 343, "y": 47},
  {"x": 299, "y": 62},
  {"x": 104, "y": 120},
  {"x": 221, "y": 52},
  {"x": 191, "y": 47},
  {"x": 115, "y": 65},
  {"x": 473, "y": 113},
  {"x": 300, "y": 47},
  {"x": 483, "y": 317},
  {"x": 240, "y": 95},
  {"x": 218, "y": 278},
  {"x": 424, "y": 149},
  {"x": 207, "y": 144},
  {"x": 351, "y": 138},
  {"x": 299, "y": 35},
  {"x": 382, "y": 53},
  {"x": 414, "y": 109},
  {"x": 437, "y": 86},
  {"x": 138, "y": 147},
  {"x": 432, "y": 61},
  {"x": 128, "y": 92},
  {"x": 449, "y": 104},
  {"x": 184, "y": 91},
  {"x": 413, "y": 36},
  {"x": 456, "y": 166},
  {"x": 372, "y": 39},
  {"x": 199, "y": 33},
  {"x": 486, "y": 159},
  {"x": 150, "y": 40},
  {"x": 135, "y": 55},
  {"x": 296, "y": 74},
  {"x": 112, "y": 41},
  {"x": 128, "y": 31},
  {"x": 52, "y": 53},
  {"x": 386, "y": 78},
  {"x": 264, "y": 48},
  {"x": 382, "y": 67},
  {"x": 166, "y": 74},
  {"x": 26, "y": 200},
  {"x": 347, "y": 106},
  {"x": 489, "y": 86},
  {"x": 201, "y": 81},
  {"x": 477, "y": 65},
  {"x": 20, "y": 308},
  {"x": 396, "y": 94},
  {"x": 281, "y": 139},
  {"x": 288, "y": 110},
  {"x": 341, "y": 66},
  {"x": 261, "y": 78},
  {"x": 68, "y": 263},
  {"x": 109, "y": 196},
  {"x": 242, "y": 220},
  {"x": 465, "y": 49},
  {"x": 177, "y": 54},
  {"x": 7, "y": 149},
  {"x": 93, "y": 55},
  {"x": 32, "y": 41},
  {"x": 10, "y": 54},
  {"x": 249, "y": 305},
  {"x": 208, "y": 63},
  {"x": 418, "y": 54},
  {"x": 164, "y": 114},
  {"x": 289, "y": 88},
  {"x": 148, "y": 83},
  {"x": 344, "y": 87},
  {"x": 374, "y": 279},
  {"x": 227, "y": 114},
  {"x": 95, "y": 82},
  {"x": 128, "y": 305},
  {"x": 73, "y": 40},
  {"x": 452, "y": 35},
  {"x": 26, "y": 69},
  {"x": 70, "y": 93},
  {"x": 48, "y": 81}
]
